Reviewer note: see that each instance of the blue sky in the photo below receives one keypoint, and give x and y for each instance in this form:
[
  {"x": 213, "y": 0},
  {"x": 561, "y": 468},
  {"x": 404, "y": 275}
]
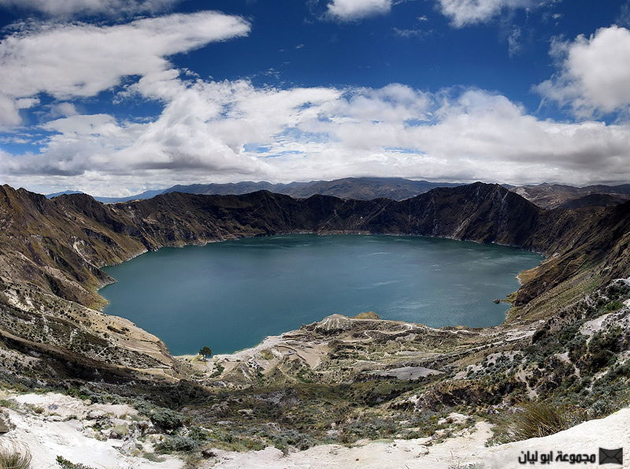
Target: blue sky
[{"x": 113, "y": 97}]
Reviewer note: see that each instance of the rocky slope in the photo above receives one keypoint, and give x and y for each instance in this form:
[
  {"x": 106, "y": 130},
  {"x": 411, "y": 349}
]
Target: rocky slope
[
  {"x": 120, "y": 437},
  {"x": 341, "y": 379},
  {"x": 550, "y": 196},
  {"x": 52, "y": 250}
]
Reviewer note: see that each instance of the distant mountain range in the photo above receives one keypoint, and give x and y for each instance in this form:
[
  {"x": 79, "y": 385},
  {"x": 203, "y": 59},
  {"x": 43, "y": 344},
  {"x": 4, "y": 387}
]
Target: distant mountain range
[
  {"x": 367, "y": 188},
  {"x": 547, "y": 196},
  {"x": 552, "y": 196},
  {"x": 113, "y": 200}
]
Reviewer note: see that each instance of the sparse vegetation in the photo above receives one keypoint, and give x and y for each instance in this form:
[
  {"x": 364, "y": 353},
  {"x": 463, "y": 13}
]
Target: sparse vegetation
[
  {"x": 218, "y": 370},
  {"x": 177, "y": 443},
  {"x": 557, "y": 349},
  {"x": 538, "y": 419},
  {"x": 14, "y": 456},
  {"x": 66, "y": 464},
  {"x": 164, "y": 419},
  {"x": 205, "y": 352}
]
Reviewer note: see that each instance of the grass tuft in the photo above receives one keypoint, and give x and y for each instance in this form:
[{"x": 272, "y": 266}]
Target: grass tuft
[
  {"x": 14, "y": 456},
  {"x": 540, "y": 419}
]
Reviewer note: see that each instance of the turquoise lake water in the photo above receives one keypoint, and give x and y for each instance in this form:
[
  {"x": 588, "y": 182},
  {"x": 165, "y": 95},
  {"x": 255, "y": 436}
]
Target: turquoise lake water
[{"x": 230, "y": 295}]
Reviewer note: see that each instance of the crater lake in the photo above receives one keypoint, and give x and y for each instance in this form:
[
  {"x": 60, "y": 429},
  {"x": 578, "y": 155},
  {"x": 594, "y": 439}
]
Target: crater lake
[{"x": 230, "y": 295}]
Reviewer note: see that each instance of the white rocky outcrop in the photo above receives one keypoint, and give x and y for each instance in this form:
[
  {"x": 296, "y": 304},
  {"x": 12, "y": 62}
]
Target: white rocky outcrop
[
  {"x": 465, "y": 450},
  {"x": 52, "y": 425}
]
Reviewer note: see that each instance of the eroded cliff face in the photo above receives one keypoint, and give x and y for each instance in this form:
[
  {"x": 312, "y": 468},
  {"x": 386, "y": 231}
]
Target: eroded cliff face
[
  {"x": 51, "y": 252},
  {"x": 60, "y": 244},
  {"x": 57, "y": 247},
  {"x": 338, "y": 380}
]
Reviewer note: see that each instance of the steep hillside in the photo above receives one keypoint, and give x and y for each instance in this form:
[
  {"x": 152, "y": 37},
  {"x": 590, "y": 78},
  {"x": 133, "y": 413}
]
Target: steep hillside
[
  {"x": 594, "y": 200},
  {"x": 550, "y": 196},
  {"x": 338, "y": 380},
  {"x": 56, "y": 247}
]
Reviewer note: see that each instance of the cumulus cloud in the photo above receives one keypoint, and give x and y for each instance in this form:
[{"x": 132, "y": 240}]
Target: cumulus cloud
[
  {"x": 476, "y": 135},
  {"x": 68, "y": 8},
  {"x": 81, "y": 60},
  {"x": 63, "y": 110},
  {"x": 468, "y": 12},
  {"x": 594, "y": 73},
  {"x": 226, "y": 131},
  {"x": 352, "y": 10},
  {"x": 9, "y": 112}
]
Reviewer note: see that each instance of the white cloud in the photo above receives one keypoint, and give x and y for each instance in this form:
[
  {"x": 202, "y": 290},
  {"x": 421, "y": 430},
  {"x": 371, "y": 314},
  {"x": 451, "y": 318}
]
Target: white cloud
[
  {"x": 514, "y": 41},
  {"x": 351, "y": 10},
  {"x": 475, "y": 136},
  {"x": 226, "y": 131},
  {"x": 412, "y": 33},
  {"x": 468, "y": 12},
  {"x": 63, "y": 110},
  {"x": 623, "y": 19},
  {"x": 95, "y": 124},
  {"x": 9, "y": 113},
  {"x": 67, "y": 8},
  {"x": 594, "y": 73},
  {"x": 82, "y": 60}
]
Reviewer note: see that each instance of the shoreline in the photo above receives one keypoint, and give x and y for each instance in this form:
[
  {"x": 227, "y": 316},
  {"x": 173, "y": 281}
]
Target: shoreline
[{"x": 500, "y": 317}]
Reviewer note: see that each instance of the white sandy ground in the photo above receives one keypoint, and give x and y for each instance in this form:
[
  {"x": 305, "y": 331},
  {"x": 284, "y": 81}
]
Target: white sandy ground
[
  {"x": 465, "y": 451},
  {"x": 54, "y": 432}
]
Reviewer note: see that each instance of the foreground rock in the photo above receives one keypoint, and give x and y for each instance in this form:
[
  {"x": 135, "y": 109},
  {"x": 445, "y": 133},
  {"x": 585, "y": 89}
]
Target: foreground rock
[
  {"x": 53, "y": 425},
  {"x": 466, "y": 449}
]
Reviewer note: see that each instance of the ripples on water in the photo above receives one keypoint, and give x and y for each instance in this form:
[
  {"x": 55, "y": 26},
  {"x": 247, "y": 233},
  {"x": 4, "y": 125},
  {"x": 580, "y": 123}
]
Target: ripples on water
[{"x": 231, "y": 295}]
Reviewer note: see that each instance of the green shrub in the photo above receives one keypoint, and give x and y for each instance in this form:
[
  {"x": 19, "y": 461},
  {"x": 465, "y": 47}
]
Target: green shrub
[
  {"x": 177, "y": 443},
  {"x": 152, "y": 457},
  {"x": 199, "y": 434},
  {"x": 166, "y": 419},
  {"x": 614, "y": 305},
  {"x": 287, "y": 439},
  {"x": 65, "y": 464},
  {"x": 218, "y": 370},
  {"x": 599, "y": 408}
]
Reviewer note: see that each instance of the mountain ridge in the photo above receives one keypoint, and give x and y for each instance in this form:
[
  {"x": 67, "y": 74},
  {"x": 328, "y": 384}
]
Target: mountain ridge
[
  {"x": 101, "y": 234},
  {"x": 360, "y": 188},
  {"x": 545, "y": 195},
  {"x": 344, "y": 374},
  {"x": 477, "y": 212}
]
